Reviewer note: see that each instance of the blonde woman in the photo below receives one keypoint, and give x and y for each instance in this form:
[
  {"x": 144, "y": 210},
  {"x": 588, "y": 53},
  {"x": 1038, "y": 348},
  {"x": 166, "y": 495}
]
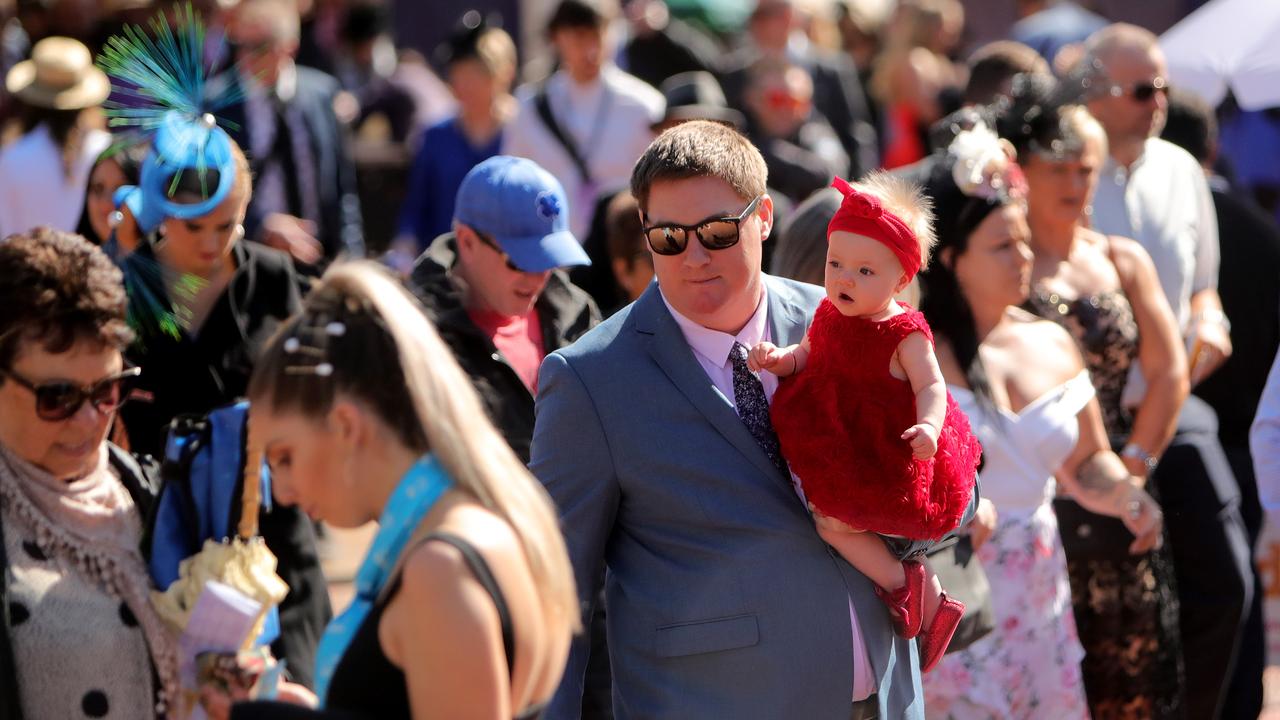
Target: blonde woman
[{"x": 465, "y": 604}]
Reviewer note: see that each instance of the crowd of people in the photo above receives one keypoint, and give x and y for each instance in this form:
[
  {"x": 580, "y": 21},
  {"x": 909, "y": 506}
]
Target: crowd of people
[{"x": 818, "y": 365}]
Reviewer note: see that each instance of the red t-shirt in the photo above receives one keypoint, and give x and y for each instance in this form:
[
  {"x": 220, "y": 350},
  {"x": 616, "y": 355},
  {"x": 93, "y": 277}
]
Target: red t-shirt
[{"x": 519, "y": 339}]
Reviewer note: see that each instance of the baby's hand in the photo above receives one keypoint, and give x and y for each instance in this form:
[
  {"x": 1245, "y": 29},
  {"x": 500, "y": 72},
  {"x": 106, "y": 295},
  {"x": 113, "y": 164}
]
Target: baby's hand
[
  {"x": 765, "y": 356},
  {"x": 923, "y": 439}
]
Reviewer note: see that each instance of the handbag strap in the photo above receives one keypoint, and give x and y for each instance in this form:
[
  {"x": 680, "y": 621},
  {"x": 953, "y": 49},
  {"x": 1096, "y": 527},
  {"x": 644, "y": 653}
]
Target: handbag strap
[{"x": 542, "y": 103}]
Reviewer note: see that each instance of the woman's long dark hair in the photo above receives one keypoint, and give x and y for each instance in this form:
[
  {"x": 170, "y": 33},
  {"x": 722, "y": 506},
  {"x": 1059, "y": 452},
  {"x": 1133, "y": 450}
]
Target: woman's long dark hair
[
  {"x": 943, "y": 302},
  {"x": 129, "y": 159},
  {"x": 63, "y": 125}
]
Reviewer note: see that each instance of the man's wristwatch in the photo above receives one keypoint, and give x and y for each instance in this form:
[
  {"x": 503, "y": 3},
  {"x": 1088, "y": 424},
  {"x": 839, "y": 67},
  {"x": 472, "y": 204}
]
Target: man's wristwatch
[{"x": 1133, "y": 450}]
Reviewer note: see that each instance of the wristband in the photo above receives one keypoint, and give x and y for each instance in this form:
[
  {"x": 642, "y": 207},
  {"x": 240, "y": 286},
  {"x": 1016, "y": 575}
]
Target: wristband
[{"x": 1133, "y": 450}]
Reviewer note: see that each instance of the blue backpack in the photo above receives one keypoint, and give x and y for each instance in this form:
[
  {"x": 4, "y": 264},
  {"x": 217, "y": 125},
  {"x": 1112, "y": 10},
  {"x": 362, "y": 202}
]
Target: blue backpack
[{"x": 202, "y": 475}]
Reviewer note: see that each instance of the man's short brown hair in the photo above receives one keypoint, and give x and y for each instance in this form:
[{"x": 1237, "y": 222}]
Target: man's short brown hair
[
  {"x": 57, "y": 288},
  {"x": 700, "y": 148}
]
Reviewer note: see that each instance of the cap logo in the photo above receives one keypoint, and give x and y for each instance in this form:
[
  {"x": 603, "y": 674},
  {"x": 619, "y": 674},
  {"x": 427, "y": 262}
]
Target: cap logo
[{"x": 548, "y": 205}]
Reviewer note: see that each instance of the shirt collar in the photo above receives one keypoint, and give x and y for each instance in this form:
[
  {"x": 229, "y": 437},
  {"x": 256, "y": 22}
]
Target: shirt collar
[
  {"x": 1121, "y": 174},
  {"x": 714, "y": 345}
]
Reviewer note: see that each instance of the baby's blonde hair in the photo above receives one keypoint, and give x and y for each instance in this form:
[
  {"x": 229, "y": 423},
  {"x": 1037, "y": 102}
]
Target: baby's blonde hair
[{"x": 906, "y": 200}]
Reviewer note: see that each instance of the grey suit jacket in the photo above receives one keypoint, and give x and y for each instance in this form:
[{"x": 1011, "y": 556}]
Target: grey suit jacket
[{"x": 722, "y": 600}]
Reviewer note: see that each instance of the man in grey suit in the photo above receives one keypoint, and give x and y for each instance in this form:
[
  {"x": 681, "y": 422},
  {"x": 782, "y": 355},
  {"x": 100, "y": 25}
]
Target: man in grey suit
[{"x": 654, "y": 440}]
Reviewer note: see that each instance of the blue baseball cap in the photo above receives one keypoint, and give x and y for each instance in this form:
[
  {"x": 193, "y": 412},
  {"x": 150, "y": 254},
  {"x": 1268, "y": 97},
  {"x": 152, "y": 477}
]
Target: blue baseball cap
[{"x": 524, "y": 209}]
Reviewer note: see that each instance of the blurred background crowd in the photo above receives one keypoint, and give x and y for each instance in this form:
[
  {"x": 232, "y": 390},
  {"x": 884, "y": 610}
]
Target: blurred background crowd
[{"x": 361, "y": 118}]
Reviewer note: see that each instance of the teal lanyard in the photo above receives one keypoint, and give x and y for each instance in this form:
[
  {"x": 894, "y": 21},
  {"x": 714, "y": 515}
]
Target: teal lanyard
[{"x": 413, "y": 498}]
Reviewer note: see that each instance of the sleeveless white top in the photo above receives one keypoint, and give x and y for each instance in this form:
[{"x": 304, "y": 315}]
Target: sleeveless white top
[{"x": 1023, "y": 450}]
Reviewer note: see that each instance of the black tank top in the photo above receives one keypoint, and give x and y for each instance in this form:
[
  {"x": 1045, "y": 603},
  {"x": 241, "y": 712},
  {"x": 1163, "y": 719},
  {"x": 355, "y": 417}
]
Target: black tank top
[{"x": 365, "y": 681}]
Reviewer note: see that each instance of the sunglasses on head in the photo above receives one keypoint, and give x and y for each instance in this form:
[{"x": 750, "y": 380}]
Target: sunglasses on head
[
  {"x": 511, "y": 265},
  {"x": 714, "y": 234},
  {"x": 57, "y": 401},
  {"x": 1142, "y": 92}
]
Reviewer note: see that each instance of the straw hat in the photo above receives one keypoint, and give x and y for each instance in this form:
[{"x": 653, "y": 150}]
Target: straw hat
[{"x": 60, "y": 75}]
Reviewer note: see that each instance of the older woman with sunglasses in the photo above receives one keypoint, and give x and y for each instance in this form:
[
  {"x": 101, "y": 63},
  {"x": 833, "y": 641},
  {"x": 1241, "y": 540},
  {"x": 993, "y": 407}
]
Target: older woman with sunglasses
[{"x": 79, "y": 637}]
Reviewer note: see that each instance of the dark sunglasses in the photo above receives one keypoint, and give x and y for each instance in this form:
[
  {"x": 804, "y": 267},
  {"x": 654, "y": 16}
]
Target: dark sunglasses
[
  {"x": 57, "y": 401},
  {"x": 1142, "y": 92},
  {"x": 715, "y": 234},
  {"x": 511, "y": 265}
]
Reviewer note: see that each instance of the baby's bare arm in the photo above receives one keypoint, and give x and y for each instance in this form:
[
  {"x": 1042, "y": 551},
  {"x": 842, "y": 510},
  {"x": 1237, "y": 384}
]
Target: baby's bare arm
[
  {"x": 917, "y": 358},
  {"x": 918, "y": 361},
  {"x": 781, "y": 361}
]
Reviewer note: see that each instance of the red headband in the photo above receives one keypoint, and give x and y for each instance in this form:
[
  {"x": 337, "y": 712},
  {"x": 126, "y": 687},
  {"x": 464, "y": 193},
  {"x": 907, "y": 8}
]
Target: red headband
[{"x": 861, "y": 213}]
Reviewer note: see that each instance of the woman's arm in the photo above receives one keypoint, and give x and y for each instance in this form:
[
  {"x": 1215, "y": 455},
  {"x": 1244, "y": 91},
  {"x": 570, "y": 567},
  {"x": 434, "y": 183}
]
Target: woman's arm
[
  {"x": 915, "y": 352},
  {"x": 442, "y": 629},
  {"x": 1160, "y": 353},
  {"x": 1097, "y": 479}
]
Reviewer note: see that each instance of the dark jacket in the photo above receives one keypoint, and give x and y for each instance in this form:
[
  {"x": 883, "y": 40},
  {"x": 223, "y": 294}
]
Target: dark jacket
[
  {"x": 1250, "y": 251},
  {"x": 340, "y": 224},
  {"x": 193, "y": 375},
  {"x": 565, "y": 312},
  {"x": 837, "y": 96},
  {"x": 142, "y": 489}
]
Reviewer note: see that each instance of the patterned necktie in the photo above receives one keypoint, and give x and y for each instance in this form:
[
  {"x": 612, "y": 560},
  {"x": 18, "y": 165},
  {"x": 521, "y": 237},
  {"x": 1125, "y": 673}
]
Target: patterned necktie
[{"x": 753, "y": 407}]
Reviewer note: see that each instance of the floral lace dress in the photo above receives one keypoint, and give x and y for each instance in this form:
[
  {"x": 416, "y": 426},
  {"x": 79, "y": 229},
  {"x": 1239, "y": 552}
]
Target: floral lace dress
[
  {"x": 1126, "y": 606},
  {"x": 1028, "y": 666}
]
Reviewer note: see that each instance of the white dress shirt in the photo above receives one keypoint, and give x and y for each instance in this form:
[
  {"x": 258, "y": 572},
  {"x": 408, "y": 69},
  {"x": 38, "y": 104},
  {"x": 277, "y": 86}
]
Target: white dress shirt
[
  {"x": 711, "y": 350},
  {"x": 35, "y": 187},
  {"x": 609, "y": 122},
  {"x": 1163, "y": 202}
]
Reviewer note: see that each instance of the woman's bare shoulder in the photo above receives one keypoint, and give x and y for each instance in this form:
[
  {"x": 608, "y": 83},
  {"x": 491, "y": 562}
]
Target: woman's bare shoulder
[{"x": 1032, "y": 341}]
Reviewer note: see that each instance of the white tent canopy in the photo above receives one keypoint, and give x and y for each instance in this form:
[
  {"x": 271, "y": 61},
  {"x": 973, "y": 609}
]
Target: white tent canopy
[{"x": 1228, "y": 45}]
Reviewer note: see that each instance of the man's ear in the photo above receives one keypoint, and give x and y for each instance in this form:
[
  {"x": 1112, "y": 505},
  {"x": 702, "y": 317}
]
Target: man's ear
[
  {"x": 765, "y": 210},
  {"x": 465, "y": 236}
]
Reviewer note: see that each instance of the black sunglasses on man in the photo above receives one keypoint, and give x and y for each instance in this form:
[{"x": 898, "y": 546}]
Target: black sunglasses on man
[
  {"x": 713, "y": 234},
  {"x": 1143, "y": 91}
]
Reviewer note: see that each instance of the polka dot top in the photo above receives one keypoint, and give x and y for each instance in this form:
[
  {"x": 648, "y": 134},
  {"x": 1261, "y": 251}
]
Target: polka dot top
[{"x": 79, "y": 651}]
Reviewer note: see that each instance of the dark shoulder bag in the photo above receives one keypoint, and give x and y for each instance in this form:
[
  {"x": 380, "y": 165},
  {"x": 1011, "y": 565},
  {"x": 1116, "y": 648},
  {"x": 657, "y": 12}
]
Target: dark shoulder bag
[{"x": 961, "y": 574}]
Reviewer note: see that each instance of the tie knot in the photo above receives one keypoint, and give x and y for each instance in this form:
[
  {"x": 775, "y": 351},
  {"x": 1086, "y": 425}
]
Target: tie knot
[{"x": 738, "y": 354}]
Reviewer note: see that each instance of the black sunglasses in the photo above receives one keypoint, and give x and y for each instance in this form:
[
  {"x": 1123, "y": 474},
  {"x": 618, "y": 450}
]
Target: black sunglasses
[
  {"x": 714, "y": 234},
  {"x": 1142, "y": 92},
  {"x": 58, "y": 401},
  {"x": 498, "y": 248}
]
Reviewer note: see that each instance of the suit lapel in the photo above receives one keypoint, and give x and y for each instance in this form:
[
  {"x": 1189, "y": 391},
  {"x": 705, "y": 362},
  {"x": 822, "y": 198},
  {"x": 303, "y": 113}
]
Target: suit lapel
[{"x": 672, "y": 353}]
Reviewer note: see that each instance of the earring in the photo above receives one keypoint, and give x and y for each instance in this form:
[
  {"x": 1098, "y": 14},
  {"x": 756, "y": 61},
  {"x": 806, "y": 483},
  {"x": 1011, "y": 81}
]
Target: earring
[{"x": 238, "y": 233}]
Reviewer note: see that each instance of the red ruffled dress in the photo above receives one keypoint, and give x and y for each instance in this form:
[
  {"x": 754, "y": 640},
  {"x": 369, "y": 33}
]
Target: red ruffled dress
[{"x": 840, "y": 420}]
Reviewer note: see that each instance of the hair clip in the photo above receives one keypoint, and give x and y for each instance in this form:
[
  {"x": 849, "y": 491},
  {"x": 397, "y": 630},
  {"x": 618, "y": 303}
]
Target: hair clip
[{"x": 294, "y": 346}]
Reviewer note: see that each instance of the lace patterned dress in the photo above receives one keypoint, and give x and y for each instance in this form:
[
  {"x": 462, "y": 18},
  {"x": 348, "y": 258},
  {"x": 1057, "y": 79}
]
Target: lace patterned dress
[
  {"x": 1028, "y": 667},
  {"x": 1126, "y": 606}
]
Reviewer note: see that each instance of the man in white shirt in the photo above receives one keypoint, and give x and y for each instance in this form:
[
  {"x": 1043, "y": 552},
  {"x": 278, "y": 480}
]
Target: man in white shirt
[
  {"x": 1157, "y": 193},
  {"x": 589, "y": 121},
  {"x": 653, "y": 438}
]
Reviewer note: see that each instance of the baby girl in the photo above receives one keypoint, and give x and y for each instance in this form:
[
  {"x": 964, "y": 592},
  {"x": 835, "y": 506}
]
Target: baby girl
[{"x": 885, "y": 458}]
